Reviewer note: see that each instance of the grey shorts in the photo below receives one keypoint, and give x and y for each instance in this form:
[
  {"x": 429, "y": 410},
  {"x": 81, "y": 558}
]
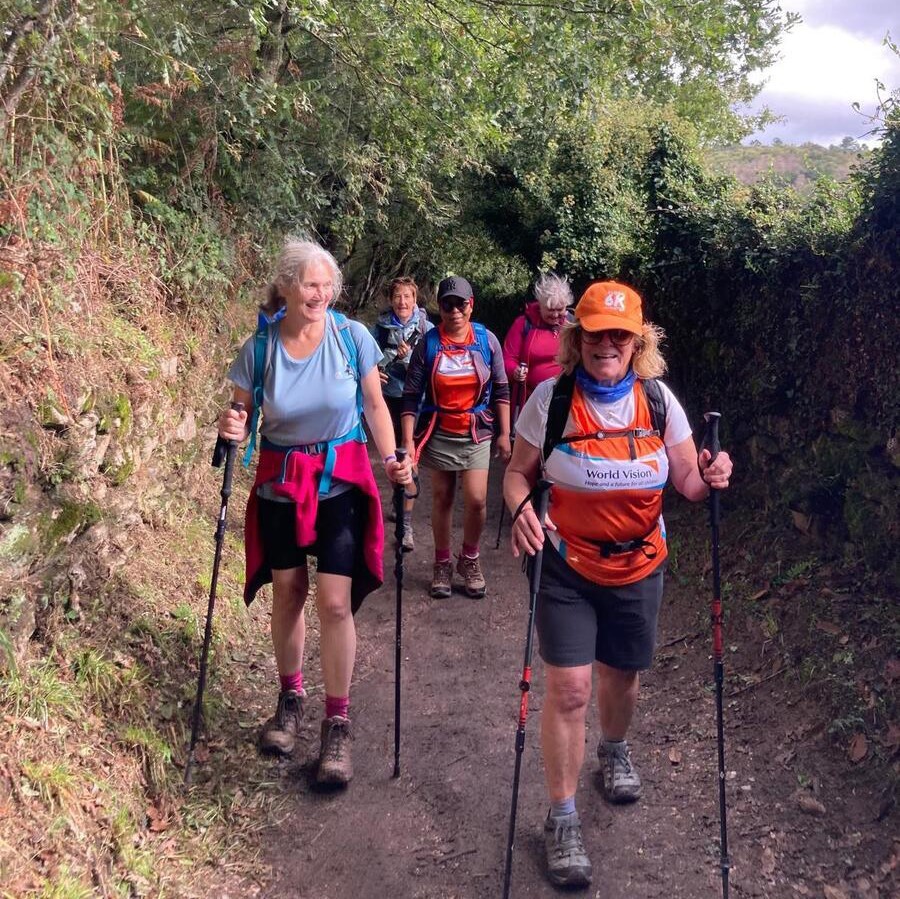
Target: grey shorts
[
  {"x": 579, "y": 622},
  {"x": 455, "y": 452}
]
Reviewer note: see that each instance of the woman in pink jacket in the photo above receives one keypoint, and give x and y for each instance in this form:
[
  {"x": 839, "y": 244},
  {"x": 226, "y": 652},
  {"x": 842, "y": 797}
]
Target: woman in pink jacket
[{"x": 532, "y": 343}]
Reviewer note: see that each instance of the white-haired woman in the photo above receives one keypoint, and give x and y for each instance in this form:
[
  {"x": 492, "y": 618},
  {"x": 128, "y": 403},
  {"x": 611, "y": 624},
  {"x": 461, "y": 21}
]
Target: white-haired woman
[
  {"x": 532, "y": 344},
  {"x": 312, "y": 373}
]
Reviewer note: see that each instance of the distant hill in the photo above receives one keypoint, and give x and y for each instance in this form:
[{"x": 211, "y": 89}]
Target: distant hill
[{"x": 797, "y": 166}]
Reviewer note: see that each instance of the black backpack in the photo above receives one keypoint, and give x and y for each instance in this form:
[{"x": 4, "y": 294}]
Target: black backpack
[{"x": 561, "y": 402}]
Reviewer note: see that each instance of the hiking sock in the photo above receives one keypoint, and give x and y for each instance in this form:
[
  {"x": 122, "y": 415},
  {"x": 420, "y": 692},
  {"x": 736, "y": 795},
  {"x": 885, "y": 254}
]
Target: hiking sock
[
  {"x": 613, "y": 745},
  {"x": 407, "y": 518},
  {"x": 292, "y": 681},
  {"x": 563, "y": 807},
  {"x": 337, "y": 705},
  {"x": 469, "y": 551},
  {"x": 442, "y": 555}
]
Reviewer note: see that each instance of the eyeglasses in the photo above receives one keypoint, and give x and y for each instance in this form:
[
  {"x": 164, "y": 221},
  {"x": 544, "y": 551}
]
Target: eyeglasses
[
  {"x": 619, "y": 336},
  {"x": 449, "y": 304}
]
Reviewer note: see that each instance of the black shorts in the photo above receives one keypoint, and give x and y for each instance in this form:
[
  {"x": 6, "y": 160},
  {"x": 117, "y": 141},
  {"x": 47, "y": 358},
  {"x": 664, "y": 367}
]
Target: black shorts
[
  {"x": 340, "y": 526},
  {"x": 579, "y": 622}
]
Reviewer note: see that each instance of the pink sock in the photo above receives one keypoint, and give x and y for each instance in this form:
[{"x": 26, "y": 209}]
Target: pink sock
[
  {"x": 470, "y": 552},
  {"x": 291, "y": 681},
  {"x": 442, "y": 555},
  {"x": 337, "y": 705}
]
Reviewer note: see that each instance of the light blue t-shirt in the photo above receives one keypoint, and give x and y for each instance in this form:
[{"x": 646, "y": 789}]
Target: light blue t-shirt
[{"x": 309, "y": 400}]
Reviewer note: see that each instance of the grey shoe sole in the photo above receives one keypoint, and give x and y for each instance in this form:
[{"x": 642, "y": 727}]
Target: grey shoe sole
[
  {"x": 623, "y": 797},
  {"x": 276, "y": 747},
  {"x": 333, "y": 778},
  {"x": 440, "y": 593},
  {"x": 574, "y": 877}
]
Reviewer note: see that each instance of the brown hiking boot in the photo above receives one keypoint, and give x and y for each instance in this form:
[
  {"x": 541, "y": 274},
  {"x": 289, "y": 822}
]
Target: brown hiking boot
[
  {"x": 470, "y": 570},
  {"x": 279, "y": 733},
  {"x": 335, "y": 766},
  {"x": 440, "y": 582}
]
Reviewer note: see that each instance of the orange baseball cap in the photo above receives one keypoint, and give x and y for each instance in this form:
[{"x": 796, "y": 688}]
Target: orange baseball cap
[{"x": 607, "y": 305}]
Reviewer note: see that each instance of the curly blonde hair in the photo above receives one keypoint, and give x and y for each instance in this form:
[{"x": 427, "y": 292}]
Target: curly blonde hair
[
  {"x": 297, "y": 254},
  {"x": 647, "y": 360}
]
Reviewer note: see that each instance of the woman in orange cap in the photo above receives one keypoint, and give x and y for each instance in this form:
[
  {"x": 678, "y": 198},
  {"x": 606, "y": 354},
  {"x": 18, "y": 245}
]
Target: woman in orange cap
[{"x": 607, "y": 435}]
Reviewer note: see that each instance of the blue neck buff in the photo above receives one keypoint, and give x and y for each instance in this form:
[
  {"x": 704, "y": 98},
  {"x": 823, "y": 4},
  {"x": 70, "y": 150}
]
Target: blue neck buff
[
  {"x": 597, "y": 391},
  {"x": 399, "y": 324}
]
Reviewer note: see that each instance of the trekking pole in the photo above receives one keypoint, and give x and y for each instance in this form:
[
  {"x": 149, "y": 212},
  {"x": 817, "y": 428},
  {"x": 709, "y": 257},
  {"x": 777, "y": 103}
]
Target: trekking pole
[
  {"x": 711, "y": 442},
  {"x": 225, "y": 450},
  {"x": 516, "y": 409},
  {"x": 534, "y": 582},
  {"x": 399, "y": 495}
]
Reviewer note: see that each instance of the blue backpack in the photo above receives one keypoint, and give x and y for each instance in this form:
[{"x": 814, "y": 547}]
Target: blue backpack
[
  {"x": 263, "y": 344},
  {"x": 481, "y": 345}
]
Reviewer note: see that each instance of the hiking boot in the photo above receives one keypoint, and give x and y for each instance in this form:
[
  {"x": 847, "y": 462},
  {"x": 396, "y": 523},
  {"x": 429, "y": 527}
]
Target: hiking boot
[
  {"x": 440, "y": 581},
  {"x": 567, "y": 861},
  {"x": 620, "y": 780},
  {"x": 335, "y": 766},
  {"x": 279, "y": 733},
  {"x": 470, "y": 571},
  {"x": 407, "y": 543}
]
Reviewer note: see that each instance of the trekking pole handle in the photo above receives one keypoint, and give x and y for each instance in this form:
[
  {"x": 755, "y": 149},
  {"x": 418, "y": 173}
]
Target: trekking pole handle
[
  {"x": 400, "y": 453},
  {"x": 711, "y": 436},
  {"x": 223, "y": 445}
]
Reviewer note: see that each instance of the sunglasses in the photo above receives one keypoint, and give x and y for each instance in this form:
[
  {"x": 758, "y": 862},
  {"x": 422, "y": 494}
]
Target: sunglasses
[
  {"x": 619, "y": 336},
  {"x": 451, "y": 303}
]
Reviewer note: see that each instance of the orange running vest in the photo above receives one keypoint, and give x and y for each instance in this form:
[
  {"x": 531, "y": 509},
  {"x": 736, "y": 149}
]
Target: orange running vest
[{"x": 608, "y": 488}]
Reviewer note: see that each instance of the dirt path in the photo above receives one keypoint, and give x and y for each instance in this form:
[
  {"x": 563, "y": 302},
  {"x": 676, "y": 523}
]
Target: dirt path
[{"x": 440, "y": 830}]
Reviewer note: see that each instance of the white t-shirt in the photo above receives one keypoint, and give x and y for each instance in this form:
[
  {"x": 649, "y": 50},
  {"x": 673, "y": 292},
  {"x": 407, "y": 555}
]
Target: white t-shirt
[{"x": 531, "y": 424}]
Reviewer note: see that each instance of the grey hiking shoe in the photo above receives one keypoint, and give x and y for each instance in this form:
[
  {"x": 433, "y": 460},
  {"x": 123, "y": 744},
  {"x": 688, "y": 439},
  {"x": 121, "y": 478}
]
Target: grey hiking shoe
[
  {"x": 473, "y": 579},
  {"x": 567, "y": 861},
  {"x": 440, "y": 582},
  {"x": 407, "y": 543},
  {"x": 279, "y": 733},
  {"x": 335, "y": 765},
  {"x": 620, "y": 780}
]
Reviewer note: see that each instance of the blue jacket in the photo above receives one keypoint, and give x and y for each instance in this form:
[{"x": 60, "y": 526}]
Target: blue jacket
[{"x": 389, "y": 333}]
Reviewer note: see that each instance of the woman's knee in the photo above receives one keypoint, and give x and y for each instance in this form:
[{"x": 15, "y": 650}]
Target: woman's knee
[
  {"x": 617, "y": 679},
  {"x": 333, "y": 601},
  {"x": 290, "y": 588},
  {"x": 568, "y": 694}
]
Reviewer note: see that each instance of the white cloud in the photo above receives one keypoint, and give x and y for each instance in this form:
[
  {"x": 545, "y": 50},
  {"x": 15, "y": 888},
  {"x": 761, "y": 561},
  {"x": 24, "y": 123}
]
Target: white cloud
[{"x": 828, "y": 62}]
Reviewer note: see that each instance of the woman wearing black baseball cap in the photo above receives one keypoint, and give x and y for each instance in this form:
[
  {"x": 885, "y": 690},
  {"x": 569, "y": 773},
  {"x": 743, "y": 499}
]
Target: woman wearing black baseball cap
[{"x": 458, "y": 370}]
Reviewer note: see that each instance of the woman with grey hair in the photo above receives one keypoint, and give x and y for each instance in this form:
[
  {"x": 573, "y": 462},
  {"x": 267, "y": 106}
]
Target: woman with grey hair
[
  {"x": 312, "y": 373},
  {"x": 532, "y": 344}
]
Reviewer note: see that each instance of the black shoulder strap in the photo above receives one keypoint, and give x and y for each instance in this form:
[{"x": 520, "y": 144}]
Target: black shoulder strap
[
  {"x": 657, "y": 403},
  {"x": 558, "y": 412}
]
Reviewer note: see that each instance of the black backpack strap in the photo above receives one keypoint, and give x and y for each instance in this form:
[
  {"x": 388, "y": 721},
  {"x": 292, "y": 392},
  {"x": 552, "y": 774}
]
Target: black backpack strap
[
  {"x": 558, "y": 412},
  {"x": 657, "y": 403}
]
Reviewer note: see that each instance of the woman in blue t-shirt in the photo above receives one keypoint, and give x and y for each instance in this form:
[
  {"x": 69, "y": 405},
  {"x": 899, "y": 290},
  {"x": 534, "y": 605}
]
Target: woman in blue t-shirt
[{"x": 315, "y": 492}]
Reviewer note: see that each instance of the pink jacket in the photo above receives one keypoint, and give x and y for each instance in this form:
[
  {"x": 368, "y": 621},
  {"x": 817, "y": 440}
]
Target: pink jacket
[
  {"x": 297, "y": 479},
  {"x": 537, "y": 349}
]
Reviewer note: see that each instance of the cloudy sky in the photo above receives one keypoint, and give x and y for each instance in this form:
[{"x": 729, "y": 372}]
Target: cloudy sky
[{"x": 829, "y": 61}]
